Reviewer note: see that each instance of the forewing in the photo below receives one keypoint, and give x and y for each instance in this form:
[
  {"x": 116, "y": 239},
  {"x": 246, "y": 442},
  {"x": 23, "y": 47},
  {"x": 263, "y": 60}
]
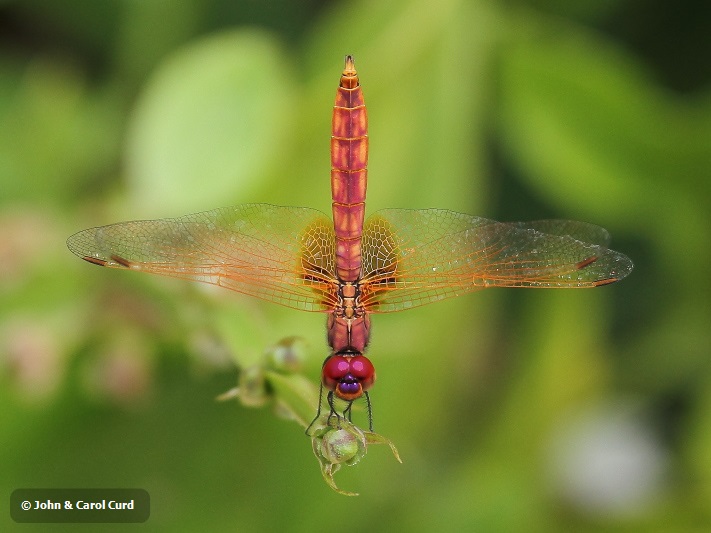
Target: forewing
[
  {"x": 581, "y": 231},
  {"x": 280, "y": 254},
  {"x": 415, "y": 257}
]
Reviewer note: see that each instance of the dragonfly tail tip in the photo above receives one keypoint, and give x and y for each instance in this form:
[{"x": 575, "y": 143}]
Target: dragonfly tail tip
[{"x": 349, "y": 69}]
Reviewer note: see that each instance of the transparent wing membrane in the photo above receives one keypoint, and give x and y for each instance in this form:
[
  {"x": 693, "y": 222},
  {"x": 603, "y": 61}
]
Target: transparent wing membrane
[
  {"x": 410, "y": 258},
  {"x": 280, "y": 254},
  {"x": 415, "y": 257}
]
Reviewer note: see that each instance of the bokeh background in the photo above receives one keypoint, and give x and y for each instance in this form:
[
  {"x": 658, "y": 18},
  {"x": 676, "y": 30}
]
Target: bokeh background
[{"x": 513, "y": 410}]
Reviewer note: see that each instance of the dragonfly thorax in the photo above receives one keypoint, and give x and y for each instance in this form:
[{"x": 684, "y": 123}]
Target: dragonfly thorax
[
  {"x": 349, "y": 306},
  {"x": 348, "y": 323}
]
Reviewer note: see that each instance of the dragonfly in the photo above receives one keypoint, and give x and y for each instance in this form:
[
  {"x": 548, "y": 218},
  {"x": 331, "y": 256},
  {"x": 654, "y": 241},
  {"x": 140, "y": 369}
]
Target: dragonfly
[{"x": 349, "y": 267}]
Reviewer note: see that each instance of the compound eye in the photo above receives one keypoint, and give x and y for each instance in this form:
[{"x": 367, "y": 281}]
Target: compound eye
[
  {"x": 362, "y": 369},
  {"x": 334, "y": 369}
]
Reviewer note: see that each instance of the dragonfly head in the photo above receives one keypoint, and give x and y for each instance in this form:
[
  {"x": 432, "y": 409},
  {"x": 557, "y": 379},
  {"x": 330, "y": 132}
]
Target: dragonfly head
[{"x": 348, "y": 375}]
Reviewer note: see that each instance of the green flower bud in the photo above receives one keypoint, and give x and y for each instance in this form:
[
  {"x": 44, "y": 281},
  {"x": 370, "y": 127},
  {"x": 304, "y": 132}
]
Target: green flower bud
[
  {"x": 286, "y": 356},
  {"x": 340, "y": 446},
  {"x": 252, "y": 386},
  {"x": 337, "y": 442}
]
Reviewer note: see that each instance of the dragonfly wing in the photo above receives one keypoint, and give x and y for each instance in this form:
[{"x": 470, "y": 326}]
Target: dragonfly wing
[
  {"x": 280, "y": 254},
  {"x": 581, "y": 231},
  {"x": 415, "y": 257}
]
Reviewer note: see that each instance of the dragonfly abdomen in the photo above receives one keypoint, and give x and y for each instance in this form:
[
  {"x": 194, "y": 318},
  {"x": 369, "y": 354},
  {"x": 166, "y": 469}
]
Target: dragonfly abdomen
[{"x": 349, "y": 161}]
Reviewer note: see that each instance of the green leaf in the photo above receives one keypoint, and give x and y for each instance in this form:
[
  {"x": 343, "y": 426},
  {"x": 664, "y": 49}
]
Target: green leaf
[
  {"x": 587, "y": 127},
  {"x": 295, "y": 395},
  {"x": 54, "y": 133},
  {"x": 209, "y": 123}
]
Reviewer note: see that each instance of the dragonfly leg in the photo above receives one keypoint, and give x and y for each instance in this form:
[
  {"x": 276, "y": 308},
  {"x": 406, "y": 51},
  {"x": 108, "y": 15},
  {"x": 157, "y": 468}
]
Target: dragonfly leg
[
  {"x": 347, "y": 413},
  {"x": 370, "y": 411},
  {"x": 318, "y": 409},
  {"x": 333, "y": 410}
]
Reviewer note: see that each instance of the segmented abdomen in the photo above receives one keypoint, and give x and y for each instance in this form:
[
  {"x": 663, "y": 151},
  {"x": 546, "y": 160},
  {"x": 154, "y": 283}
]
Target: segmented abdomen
[{"x": 349, "y": 159}]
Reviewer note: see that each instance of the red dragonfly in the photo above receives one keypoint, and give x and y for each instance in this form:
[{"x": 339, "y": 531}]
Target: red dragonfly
[{"x": 349, "y": 267}]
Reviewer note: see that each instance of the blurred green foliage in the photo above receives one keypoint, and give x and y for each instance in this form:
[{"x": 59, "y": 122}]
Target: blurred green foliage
[{"x": 512, "y": 410}]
